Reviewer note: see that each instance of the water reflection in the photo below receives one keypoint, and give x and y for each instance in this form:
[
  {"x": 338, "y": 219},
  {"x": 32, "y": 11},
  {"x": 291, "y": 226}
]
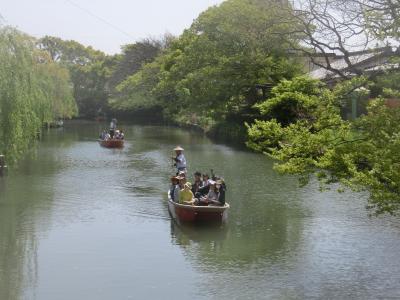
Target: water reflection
[
  {"x": 21, "y": 220},
  {"x": 26, "y": 201},
  {"x": 83, "y": 222}
]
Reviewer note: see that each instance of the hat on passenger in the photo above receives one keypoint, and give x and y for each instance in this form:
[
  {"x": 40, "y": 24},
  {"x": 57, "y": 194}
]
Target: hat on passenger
[
  {"x": 178, "y": 148},
  {"x": 211, "y": 182},
  {"x": 188, "y": 185}
]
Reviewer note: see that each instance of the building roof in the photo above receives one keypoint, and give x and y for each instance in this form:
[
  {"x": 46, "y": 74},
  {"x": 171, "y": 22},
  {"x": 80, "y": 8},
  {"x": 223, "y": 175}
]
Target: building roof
[{"x": 369, "y": 60}]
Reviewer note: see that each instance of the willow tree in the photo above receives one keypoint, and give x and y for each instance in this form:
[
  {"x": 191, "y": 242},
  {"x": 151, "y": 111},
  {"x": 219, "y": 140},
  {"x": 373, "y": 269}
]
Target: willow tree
[{"x": 33, "y": 92}]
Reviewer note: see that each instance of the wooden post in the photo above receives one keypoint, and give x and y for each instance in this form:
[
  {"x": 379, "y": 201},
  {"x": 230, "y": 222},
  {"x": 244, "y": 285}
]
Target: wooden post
[{"x": 3, "y": 167}]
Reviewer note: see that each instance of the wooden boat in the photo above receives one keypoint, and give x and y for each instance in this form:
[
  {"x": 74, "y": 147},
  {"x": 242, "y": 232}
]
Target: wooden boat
[
  {"x": 196, "y": 214},
  {"x": 112, "y": 143}
]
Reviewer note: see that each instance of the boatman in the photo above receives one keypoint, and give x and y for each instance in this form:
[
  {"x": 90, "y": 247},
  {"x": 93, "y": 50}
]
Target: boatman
[
  {"x": 180, "y": 160},
  {"x": 113, "y": 127}
]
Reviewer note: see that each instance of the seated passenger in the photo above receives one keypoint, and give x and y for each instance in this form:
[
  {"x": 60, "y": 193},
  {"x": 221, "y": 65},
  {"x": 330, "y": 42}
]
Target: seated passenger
[
  {"x": 182, "y": 181},
  {"x": 177, "y": 191},
  {"x": 174, "y": 189},
  {"x": 103, "y": 135},
  {"x": 198, "y": 183},
  {"x": 186, "y": 195},
  {"x": 121, "y": 135},
  {"x": 205, "y": 188},
  {"x": 206, "y": 179},
  {"x": 204, "y": 200},
  {"x": 220, "y": 191},
  {"x": 212, "y": 193}
]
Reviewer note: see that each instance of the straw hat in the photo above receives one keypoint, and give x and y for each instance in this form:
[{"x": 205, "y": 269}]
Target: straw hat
[
  {"x": 188, "y": 185},
  {"x": 178, "y": 148}
]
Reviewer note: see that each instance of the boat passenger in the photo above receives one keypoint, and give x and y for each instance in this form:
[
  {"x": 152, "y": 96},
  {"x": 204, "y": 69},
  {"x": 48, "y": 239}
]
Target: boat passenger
[
  {"x": 206, "y": 179},
  {"x": 180, "y": 160},
  {"x": 212, "y": 193},
  {"x": 103, "y": 135},
  {"x": 174, "y": 189},
  {"x": 205, "y": 188},
  {"x": 220, "y": 190},
  {"x": 121, "y": 135},
  {"x": 208, "y": 198},
  {"x": 113, "y": 127},
  {"x": 186, "y": 195},
  {"x": 182, "y": 181},
  {"x": 198, "y": 183}
]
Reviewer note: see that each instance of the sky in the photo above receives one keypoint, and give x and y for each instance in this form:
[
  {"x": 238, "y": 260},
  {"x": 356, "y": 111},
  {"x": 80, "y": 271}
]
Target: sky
[{"x": 103, "y": 24}]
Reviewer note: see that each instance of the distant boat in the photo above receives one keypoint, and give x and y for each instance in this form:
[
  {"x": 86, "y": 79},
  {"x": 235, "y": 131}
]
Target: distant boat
[
  {"x": 196, "y": 214},
  {"x": 112, "y": 143}
]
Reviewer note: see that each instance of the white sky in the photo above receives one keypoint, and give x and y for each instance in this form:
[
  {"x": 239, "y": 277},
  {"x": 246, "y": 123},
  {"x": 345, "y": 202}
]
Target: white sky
[{"x": 137, "y": 18}]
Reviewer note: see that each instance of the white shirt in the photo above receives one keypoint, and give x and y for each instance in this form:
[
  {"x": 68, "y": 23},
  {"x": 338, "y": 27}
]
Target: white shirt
[{"x": 181, "y": 161}]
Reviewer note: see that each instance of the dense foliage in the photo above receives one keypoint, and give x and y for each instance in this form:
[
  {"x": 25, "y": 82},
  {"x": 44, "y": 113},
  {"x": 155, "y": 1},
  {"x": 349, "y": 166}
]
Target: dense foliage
[
  {"x": 303, "y": 126},
  {"x": 361, "y": 154},
  {"x": 214, "y": 67},
  {"x": 33, "y": 91},
  {"x": 89, "y": 71}
]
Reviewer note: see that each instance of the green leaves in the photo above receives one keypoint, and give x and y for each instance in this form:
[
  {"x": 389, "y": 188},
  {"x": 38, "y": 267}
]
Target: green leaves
[
  {"x": 213, "y": 67},
  {"x": 33, "y": 91},
  {"x": 89, "y": 70},
  {"x": 314, "y": 139}
]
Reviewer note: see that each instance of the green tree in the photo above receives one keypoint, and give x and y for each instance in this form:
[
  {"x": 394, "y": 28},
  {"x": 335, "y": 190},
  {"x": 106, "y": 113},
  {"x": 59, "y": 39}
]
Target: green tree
[
  {"x": 33, "y": 91},
  {"x": 215, "y": 65},
  {"x": 133, "y": 57},
  {"x": 90, "y": 70},
  {"x": 361, "y": 154}
]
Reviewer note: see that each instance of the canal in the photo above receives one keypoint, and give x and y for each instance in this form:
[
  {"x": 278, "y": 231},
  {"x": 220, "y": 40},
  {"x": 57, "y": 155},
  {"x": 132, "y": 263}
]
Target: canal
[{"x": 78, "y": 221}]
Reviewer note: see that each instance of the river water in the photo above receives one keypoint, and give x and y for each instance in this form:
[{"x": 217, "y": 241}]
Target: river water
[{"x": 78, "y": 221}]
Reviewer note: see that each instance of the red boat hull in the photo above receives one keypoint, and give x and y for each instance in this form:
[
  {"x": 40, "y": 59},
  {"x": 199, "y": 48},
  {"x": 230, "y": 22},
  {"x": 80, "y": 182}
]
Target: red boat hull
[
  {"x": 112, "y": 143},
  {"x": 197, "y": 214}
]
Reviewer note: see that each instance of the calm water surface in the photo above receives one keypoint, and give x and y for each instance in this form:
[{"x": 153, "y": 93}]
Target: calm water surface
[{"x": 78, "y": 221}]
